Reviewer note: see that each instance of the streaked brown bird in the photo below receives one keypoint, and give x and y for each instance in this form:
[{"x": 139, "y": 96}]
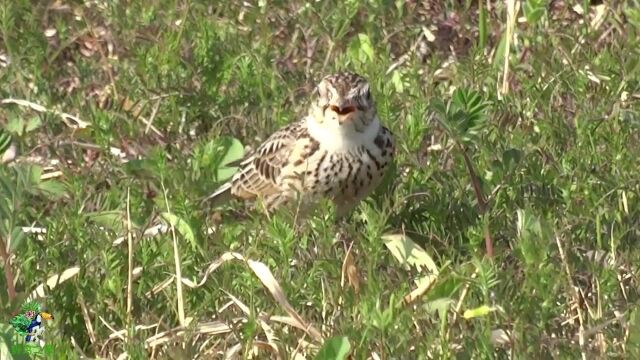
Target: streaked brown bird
[{"x": 340, "y": 151}]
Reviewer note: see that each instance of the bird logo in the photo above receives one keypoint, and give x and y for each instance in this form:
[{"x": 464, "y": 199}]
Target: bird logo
[{"x": 30, "y": 322}]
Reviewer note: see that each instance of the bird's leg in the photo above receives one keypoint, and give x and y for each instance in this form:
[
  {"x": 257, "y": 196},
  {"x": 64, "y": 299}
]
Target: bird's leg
[
  {"x": 301, "y": 218},
  {"x": 299, "y": 225},
  {"x": 342, "y": 232},
  {"x": 344, "y": 213}
]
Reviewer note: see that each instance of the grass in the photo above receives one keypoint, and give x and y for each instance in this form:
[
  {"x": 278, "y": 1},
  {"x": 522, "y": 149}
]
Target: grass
[{"x": 542, "y": 162}]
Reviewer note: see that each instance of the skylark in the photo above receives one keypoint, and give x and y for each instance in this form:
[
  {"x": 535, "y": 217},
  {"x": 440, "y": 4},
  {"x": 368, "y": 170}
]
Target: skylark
[{"x": 340, "y": 151}]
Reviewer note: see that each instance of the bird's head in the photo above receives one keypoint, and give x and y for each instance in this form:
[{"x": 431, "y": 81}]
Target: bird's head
[
  {"x": 46, "y": 316},
  {"x": 343, "y": 101}
]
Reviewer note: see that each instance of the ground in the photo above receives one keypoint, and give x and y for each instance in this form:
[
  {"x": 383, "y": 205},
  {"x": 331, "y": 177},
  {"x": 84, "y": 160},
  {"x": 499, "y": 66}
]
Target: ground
[{"x": 515, "y": 185}]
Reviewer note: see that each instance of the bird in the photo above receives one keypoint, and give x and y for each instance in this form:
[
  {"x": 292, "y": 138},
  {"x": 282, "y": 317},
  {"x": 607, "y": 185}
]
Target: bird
[
  {"x": 30, "y": 324},
  {"x": 36, "y": 328},
  {"x": 340, "y": 151}
]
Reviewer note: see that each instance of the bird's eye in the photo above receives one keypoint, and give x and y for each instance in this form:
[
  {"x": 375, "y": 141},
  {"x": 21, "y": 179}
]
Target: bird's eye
[
  {"x": 328, "y": 95},
  {"x": 366, "y": 93}
]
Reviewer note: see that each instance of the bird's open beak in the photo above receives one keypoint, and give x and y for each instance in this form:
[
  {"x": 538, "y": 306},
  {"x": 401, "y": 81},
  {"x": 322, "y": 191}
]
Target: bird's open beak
[
  {"x": 345, "y": 113},
  {"x": 46, "y": 316}
]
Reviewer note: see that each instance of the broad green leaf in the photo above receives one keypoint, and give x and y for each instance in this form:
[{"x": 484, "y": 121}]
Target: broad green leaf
[
  {"x": 113, "y": 220},
  {"x": 183, "y": 228},
  {"x": 53, "y": 188},
  {"x": 407, "y": 252},
  {"x": 33, "y": 124},
  {"x": 396, "y": 80},
  {"x": 225, "y": 173},
  {"x": 480, "y": 311},
  {"x": 440, "y": 305},
  {"x": 220, "y": 155},
  {"x": 15, "y": 125},
  {"x": 361, "y": 49},
  {"x": 365, "y": 46},
  {"x": 533, "y": 15},
  {"x": 17, "y": 236},
  {"x": 335, "y": 348},
  {"x": 439, "y": 107},
  {"x": 533, "y": 238},
  {"x": 233, "y": 150},
  {"x": 34, "y": 173},
  {"x": 533, "y": 10},
  {"x": 459, "y": 97}
]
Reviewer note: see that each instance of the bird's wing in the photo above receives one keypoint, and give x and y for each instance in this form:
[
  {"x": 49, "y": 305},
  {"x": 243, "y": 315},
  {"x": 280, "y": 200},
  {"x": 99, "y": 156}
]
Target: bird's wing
[
  {"x": 20, "y": 323},
  {"x": 259, "y": 172}
]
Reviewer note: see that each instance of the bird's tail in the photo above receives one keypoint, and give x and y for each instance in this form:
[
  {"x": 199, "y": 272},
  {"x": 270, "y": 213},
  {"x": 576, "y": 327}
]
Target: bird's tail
[{"x": 220, "y": 196}]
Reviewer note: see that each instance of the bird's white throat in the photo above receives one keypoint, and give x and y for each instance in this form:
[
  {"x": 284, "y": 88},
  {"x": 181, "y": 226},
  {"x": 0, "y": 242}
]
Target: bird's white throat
[{"x": 336, "y": 138}]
